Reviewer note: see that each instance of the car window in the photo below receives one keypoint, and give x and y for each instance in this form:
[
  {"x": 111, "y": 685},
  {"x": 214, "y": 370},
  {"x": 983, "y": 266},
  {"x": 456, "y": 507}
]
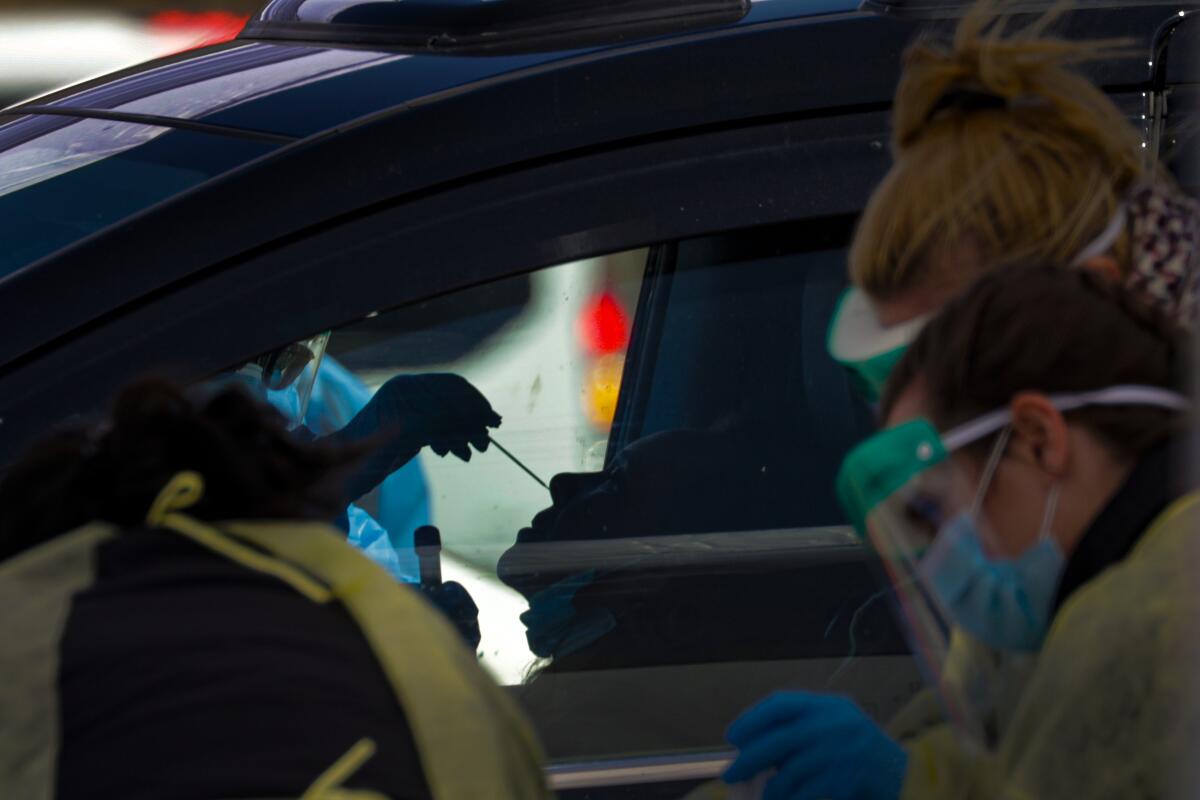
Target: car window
[
  {"x": 546, "y": 350},
  {"x": 687, "y": 555}
]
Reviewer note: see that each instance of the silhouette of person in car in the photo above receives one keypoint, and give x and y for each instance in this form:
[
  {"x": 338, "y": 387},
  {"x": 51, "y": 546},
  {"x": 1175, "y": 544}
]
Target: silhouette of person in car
[{"x": 674, "y": 588}]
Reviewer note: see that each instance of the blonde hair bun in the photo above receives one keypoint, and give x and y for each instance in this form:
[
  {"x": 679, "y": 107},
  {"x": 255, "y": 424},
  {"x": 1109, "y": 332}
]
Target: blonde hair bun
[
  {"x": 1023, "y": 68},
  {"x": 999, "y": 144}
]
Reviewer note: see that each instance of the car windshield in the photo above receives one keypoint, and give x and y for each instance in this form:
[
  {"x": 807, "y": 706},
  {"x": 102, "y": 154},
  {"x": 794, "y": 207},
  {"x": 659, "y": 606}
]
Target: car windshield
[{"x": 64, "y": 178}]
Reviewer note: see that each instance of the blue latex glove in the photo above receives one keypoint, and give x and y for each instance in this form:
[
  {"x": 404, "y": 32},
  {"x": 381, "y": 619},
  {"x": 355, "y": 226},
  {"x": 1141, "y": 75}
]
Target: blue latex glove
[
  {"x": 440, "y": 411},
  {"x": 821, "y": 746}
]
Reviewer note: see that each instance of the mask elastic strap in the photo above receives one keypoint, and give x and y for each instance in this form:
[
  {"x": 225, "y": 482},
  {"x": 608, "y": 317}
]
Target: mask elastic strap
[
  {"x": 989, "y": 471},
  {"x": 1051, "y": 510},
  {"x": 1122, "y": 395},
  {"x": 1105, "y": 241}
]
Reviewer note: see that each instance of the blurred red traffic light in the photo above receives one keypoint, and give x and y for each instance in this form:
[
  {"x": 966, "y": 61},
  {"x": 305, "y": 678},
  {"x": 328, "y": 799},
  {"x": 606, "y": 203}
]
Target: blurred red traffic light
[{"x": 604, "y": 325}]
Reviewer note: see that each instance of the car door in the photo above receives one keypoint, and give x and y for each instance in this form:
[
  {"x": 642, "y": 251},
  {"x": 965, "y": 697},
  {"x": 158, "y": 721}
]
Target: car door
[{"x": 741, "y": 230}]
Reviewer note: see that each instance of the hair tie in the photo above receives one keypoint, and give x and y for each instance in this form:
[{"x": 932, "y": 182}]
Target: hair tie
[{"x": 967, "y": 101}]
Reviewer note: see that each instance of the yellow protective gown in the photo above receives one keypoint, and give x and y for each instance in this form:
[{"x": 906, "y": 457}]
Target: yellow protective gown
[
  {"x": 1110, "y": 709},
  {"x": 1110, "y": 706},
  {"x": 472, "y": 740}
]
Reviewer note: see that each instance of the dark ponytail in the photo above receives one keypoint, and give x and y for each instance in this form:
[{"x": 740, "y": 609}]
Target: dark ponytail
[
  {"x": 1051, "y": 330},
  {"x": 252, "y": 466}
]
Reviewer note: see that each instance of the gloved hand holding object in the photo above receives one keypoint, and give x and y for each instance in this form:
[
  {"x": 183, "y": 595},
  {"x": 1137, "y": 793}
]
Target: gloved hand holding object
[
  {"x": 455, "y": 602},
  {"x": 821, "y": 746},
  {"x": 441, "y": 411},
  {"x": 452, "y": 597}
]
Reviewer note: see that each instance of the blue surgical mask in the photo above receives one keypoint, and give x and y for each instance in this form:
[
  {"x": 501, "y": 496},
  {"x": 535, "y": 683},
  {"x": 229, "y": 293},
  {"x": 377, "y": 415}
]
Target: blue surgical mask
[{"x": 1004, "y": 602}]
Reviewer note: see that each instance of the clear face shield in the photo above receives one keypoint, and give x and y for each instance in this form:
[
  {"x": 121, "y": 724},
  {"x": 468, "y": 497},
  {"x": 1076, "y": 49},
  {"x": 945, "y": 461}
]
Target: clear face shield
[
  {"x": 900, "y": 487},
  {"x": 919, "y": 508},
  {"x": 285, "y": 377}
]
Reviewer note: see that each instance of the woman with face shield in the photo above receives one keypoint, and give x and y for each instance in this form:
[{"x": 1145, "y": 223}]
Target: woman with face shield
[
  {"x": 1003, "y": 155},
  {"x": 1023, "y": 498}
]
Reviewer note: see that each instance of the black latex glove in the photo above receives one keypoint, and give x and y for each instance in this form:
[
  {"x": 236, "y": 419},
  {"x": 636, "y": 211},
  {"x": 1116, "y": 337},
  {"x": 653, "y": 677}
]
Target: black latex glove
[
  {"x": 456, "y": 603},
  {"x": 440, "y": 411}
]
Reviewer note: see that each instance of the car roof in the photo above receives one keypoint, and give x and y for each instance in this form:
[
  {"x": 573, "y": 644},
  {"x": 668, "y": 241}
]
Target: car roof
[
  {"x": 784, "y": 59},
  {"x": 298, "y": 88}
]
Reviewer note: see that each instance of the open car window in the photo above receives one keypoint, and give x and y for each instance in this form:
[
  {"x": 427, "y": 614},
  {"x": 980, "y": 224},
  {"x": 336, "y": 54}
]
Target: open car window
[{"x": 687, "y": 555}]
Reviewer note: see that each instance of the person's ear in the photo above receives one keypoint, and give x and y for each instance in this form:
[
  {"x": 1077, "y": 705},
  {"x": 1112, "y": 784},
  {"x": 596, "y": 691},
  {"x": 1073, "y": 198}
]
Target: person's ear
[
  {"x": 1105, "y": 264},
  {"x": 1039, "y": 432}
]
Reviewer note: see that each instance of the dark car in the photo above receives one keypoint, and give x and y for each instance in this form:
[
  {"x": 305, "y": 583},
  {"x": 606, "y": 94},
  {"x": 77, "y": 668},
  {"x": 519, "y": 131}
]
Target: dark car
[{"x": 434, "y": 182}]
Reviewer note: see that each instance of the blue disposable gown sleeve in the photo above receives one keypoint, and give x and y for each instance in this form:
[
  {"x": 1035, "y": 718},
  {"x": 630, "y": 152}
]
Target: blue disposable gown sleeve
[
  {"x": 337, "y": 396},
  {"x": 368, "y": 536}
]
